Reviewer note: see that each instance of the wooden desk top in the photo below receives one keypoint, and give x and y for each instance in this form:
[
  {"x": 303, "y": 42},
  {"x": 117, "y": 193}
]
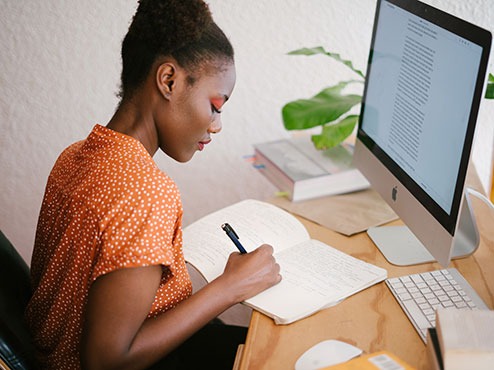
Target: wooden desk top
[{"x": 372, "y": 319}]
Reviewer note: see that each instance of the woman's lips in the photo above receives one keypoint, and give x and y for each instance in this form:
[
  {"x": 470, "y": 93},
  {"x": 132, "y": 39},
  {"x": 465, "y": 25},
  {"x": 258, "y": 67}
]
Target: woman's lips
[{"x": 202, "y": 144}]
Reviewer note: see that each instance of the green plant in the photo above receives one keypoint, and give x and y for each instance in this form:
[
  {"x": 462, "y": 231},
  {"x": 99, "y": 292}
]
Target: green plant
[
  {"x": 330, "y": 106},
  {"x": 326, "y": 109},
  {"x": 489, "y": 94}
]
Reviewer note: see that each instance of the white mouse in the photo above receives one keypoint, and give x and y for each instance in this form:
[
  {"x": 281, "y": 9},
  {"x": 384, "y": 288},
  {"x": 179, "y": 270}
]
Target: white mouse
[{"x": 326, "y": 353}]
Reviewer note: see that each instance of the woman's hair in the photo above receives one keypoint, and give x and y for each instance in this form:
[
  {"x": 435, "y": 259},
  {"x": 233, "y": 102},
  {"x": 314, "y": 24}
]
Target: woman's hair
[{"x": 182, "y": 29}]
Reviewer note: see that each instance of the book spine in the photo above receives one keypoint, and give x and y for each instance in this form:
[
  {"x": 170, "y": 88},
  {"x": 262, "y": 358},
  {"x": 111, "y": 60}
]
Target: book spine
[{"x": 274, "y": 174}]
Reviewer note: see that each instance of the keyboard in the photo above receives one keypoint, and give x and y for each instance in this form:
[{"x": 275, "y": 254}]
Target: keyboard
[{"x": 419, "y": 295}]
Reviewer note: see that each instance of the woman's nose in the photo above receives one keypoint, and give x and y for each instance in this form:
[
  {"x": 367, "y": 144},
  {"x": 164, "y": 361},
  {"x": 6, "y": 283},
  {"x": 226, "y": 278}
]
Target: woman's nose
[{"x": 215, "y": 126}]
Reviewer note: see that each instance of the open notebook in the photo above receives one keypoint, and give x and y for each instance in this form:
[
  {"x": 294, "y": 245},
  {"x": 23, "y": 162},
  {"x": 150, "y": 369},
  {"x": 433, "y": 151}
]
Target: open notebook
[{"x": 315, "y": 275}]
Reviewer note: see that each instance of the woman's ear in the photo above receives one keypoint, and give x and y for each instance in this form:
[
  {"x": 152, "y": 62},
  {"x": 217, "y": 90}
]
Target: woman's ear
[{"x": 166, "y": 76}]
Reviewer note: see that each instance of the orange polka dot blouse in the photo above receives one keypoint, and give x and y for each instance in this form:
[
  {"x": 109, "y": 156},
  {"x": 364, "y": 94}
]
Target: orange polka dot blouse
[{"x": 107, "y": 206}]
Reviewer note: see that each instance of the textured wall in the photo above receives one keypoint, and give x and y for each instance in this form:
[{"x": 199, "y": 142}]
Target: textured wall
[{"x": 59, "y": 70}]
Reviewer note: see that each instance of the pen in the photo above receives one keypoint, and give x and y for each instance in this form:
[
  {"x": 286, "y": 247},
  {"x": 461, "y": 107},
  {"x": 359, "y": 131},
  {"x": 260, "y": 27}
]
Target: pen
[{"x": 233, "y": 236}]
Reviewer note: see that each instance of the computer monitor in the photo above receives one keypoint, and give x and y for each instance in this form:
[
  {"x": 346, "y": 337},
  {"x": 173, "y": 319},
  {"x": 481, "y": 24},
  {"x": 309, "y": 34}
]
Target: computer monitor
[{"x": 425, "y": 80}]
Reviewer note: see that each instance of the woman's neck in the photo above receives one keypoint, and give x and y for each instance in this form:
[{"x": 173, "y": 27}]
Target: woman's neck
[{"x": 129, "y": 119}]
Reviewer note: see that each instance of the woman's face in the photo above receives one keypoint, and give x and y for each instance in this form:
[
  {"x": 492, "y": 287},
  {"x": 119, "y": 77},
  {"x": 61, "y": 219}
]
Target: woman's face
[{"x": 194, "y": 112}]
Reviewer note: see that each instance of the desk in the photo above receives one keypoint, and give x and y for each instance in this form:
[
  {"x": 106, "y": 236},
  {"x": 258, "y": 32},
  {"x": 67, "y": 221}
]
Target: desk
[{"x": 371, "y": 320}]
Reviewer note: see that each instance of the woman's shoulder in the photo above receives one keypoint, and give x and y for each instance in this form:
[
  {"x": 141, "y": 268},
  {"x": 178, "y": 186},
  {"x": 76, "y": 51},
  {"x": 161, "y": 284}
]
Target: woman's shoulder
[{"x": 123, "y": 158}]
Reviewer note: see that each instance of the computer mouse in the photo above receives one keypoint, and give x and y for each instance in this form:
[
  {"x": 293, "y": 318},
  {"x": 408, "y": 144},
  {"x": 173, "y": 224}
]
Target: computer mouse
[{"x": 326, "y": 353}]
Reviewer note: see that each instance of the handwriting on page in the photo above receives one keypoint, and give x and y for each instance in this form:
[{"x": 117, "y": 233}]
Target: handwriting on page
[{"x": 324, "y": 271}]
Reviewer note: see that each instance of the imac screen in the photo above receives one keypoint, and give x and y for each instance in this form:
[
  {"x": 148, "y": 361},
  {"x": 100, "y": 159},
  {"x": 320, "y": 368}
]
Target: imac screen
[{"x": 424, "y": 83}]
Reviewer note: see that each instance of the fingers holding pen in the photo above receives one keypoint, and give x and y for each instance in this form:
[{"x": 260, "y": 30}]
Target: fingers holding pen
[
  {"x": 272, "y": 267},
  {"x": 265, "y": 248},
  {"x": 252, "y": 272}
]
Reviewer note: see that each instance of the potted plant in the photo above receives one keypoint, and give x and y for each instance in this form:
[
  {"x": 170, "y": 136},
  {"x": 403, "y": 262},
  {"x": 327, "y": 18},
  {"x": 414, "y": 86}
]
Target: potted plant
[{"x": 329, "y": 108}]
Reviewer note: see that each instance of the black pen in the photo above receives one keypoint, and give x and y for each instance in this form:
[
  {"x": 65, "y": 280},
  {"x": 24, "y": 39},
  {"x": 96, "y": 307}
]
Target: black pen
[{"x": 233, "y": 236}]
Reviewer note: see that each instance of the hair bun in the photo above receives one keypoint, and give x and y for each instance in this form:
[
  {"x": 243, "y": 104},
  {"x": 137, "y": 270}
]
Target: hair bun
[{"x": 170, "y": 24}]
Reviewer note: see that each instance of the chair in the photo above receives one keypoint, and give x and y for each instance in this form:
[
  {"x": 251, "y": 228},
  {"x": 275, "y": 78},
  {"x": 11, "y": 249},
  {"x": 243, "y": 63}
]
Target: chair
[{"x": 16, "y": 347}]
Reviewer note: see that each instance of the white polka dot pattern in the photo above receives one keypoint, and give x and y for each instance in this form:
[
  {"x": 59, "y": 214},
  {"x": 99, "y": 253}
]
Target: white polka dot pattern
[{"x": 107, "y": 206}]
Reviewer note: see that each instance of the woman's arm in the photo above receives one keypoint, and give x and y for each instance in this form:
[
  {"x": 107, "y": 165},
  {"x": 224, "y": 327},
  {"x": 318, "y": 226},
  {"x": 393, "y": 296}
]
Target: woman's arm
[{"x": 117, "y": 333}]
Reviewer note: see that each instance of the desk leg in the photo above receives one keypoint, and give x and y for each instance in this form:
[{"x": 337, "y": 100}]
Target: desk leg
[{"x": 238, "y": 357}]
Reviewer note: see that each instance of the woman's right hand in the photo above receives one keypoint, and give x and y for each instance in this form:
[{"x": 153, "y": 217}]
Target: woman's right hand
[
  {"x": 248, "y": 274},
  {"x": 117, "y": 333}
]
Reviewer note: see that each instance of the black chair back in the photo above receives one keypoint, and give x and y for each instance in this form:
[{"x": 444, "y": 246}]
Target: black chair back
[{"x": 16, "y": 347}]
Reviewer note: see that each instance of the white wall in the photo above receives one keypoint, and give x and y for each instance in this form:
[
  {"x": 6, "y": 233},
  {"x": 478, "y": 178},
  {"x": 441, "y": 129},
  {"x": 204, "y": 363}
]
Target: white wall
[{"x": 59, "y": 72}]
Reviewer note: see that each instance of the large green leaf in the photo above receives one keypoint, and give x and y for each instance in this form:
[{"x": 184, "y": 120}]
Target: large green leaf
[
  {"x": 320, "y": 50},
  {"x": 489, "y": 94},
  {"x": 335, "y": 133},
  {"x": 327, "y": 106}
]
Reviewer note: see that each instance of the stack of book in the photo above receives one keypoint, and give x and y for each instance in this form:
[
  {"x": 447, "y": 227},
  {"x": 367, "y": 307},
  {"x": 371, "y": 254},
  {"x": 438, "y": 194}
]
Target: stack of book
[
  {"x": 301, "y": 171},
  {"x": 462, "y": 339}
]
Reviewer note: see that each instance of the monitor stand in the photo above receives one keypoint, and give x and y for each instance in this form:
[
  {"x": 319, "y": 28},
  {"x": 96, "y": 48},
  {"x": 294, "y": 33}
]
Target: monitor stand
[{"x": 401, "y": 247}]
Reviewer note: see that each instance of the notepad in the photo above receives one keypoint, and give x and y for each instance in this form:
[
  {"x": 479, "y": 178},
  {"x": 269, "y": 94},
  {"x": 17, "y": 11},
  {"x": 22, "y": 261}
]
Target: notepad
[{"x": 314, "y": 275}]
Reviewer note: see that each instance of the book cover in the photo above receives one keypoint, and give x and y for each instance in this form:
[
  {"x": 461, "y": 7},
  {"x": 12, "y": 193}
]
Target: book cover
[
  {"x": 303, "y": 172},
  {"x": 435, "y": 359},
  {"x": 382, "y": 360}
]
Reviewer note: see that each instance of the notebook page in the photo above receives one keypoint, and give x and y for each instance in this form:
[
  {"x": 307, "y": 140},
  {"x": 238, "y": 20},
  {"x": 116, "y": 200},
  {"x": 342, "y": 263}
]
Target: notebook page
[{"x": 207, "y": 247}]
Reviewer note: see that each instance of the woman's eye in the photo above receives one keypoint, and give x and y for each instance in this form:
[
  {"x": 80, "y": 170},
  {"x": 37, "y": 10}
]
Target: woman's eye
[{"x": 214, "y": 109}]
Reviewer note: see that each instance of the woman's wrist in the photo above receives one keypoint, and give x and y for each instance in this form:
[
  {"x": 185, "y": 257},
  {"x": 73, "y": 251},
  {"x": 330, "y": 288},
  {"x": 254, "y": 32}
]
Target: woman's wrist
[{"x": 225, "y": 290}]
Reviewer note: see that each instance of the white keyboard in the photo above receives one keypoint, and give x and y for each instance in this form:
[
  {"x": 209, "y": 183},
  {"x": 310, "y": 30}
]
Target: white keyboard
[{"x": 421, "y": 294}]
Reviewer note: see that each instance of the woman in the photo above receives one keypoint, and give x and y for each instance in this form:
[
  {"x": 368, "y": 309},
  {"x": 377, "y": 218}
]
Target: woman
[{"x": 111, "y": 289}]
